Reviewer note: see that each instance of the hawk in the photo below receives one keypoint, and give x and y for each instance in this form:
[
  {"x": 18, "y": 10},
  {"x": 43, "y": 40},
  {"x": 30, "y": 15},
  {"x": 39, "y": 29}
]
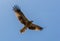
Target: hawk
[{"x": 22, "y": 18}]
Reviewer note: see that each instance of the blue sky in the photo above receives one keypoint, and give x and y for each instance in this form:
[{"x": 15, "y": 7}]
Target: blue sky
[{"x": 45, "y": 13}]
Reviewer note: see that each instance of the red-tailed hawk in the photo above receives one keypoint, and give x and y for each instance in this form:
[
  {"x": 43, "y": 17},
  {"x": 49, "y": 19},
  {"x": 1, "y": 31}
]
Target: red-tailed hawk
[{"x": 27, "y": 24}]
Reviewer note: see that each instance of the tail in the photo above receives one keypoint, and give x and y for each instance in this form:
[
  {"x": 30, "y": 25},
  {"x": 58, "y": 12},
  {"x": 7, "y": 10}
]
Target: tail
[{"x": 23, "y": 29}]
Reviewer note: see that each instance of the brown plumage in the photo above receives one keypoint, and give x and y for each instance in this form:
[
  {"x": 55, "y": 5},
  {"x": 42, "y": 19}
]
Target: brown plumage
[{"x": 27, "y": 24}]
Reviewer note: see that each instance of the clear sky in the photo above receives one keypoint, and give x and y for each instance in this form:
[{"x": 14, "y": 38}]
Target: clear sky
[{"x": 45, "y": 13}]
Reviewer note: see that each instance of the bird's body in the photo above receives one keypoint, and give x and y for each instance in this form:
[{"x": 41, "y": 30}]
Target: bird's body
[{"x": 27, "y": 24}]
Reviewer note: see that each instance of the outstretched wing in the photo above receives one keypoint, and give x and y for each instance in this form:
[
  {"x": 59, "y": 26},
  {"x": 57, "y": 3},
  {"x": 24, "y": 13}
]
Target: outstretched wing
[
  {"x": 35, "y": 27},
  {"x": 20, "y": 15}
]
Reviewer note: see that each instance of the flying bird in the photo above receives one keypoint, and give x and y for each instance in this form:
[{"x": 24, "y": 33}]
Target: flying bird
[{"x": 27, "y": 23}]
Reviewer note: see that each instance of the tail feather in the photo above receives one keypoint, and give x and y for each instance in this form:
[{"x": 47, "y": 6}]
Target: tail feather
[{"x": 23, "y": 29}]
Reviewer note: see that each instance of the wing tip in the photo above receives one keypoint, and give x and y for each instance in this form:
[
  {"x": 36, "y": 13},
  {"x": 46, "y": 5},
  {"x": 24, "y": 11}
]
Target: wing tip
[
  {"x": 16, "y": 8},
  {"x": 39, "y": 28}
]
